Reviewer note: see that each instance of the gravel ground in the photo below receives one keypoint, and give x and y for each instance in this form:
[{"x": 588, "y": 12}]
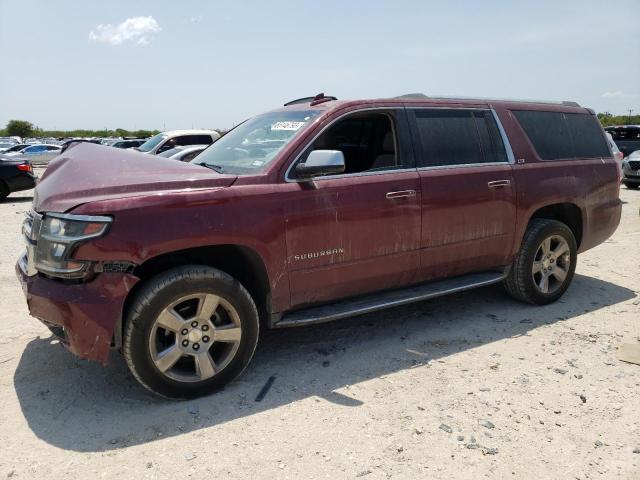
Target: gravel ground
[{"x": 468, "y": 386}]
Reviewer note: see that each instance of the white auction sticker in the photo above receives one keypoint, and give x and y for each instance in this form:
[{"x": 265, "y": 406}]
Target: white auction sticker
[{"x": 287, "y": 126}]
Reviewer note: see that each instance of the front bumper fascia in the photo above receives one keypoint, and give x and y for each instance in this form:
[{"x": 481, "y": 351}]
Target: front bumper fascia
[{"x": 83, "y": 315}]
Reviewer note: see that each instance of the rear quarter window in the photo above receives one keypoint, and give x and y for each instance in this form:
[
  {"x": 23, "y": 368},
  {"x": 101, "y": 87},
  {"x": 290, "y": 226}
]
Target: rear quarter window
[{"x": 557, "y": 135}]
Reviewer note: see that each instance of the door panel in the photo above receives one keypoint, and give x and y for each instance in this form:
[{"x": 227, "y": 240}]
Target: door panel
[
  {"x": 468, "y": 191},
  {"x": 345, "y": 237},
  {"x": 467, "y": 224}
]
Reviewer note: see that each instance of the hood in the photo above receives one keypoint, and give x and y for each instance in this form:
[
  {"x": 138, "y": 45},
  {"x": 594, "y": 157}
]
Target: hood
[{"x": 86, "y": 172}]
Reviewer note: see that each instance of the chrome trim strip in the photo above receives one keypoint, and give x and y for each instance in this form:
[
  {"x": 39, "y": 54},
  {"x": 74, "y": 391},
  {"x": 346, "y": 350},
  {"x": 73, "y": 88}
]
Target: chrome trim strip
[
  {"x": 80, "y": 218},
  {"x": 505, "y": 140},
  {"x": 463, "y": 165}
]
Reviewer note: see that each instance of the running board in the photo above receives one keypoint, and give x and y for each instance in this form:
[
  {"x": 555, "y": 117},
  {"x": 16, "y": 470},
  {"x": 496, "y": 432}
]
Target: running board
[{"x": 387, "y": 299}]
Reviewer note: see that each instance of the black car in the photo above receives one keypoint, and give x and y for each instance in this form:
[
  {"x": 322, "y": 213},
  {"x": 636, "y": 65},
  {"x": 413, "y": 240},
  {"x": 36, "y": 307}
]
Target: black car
[
  {"x": 15, "y": 175},
  {"x": 626, "y": 137}
]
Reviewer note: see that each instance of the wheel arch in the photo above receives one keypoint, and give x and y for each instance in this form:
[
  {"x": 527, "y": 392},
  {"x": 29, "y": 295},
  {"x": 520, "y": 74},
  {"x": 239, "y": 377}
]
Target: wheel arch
[
  {"x": 241, "y": 262},
  {"x": 568, "y": 213}
]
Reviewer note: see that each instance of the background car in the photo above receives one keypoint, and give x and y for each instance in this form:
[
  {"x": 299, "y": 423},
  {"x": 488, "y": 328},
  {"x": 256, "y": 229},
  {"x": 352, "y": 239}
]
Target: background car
[
  {"x": 631, "y": 170},
  {"x": 16, "y": 147},
  {"x": 184, "y": 154},
  {"x": 15, "y": 175},
  {"x": 167, "y": 140},
  {"x": 131, "y": 143},
  {"x": 39, "y": 153},
  {"x": 4, "y": 146},
  {"x": 626, "y": 137},
  {"x": 618, "y": 155}
]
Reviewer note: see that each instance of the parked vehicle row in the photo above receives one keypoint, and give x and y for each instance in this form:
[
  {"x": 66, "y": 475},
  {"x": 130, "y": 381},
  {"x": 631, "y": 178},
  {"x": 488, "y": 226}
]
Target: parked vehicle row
[{"x": 317, "y": 211}]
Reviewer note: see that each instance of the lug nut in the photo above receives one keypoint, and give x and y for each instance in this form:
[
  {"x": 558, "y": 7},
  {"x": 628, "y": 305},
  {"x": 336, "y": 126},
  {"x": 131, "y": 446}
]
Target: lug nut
[
  {"x": 185, "y": 343},
  {"x": 194, "y": 324},
  {"x": 205, "y": 328},
  {"x": 184, "y": 331},
  {"x": 205, "y": 339},
  {"x": 196, "y": 346}
]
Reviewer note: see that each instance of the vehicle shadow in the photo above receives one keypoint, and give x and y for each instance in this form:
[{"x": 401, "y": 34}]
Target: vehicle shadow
[
  {"x": 82, "y": 406},
  {"x": 9, "y": 200}
]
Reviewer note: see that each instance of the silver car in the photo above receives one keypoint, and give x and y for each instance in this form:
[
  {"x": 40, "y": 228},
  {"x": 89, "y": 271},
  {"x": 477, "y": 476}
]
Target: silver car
[
  {"x": 184, "y": 154},
  {"x": 37, "y": 154}
]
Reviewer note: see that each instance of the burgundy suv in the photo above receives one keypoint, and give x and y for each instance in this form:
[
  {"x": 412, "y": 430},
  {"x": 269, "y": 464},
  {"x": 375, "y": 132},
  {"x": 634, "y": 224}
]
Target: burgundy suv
[{"x": 317, "y": 211}]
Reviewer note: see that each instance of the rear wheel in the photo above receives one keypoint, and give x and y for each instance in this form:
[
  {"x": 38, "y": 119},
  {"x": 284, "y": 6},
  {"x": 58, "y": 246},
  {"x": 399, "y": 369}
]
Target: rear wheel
[
  {"x": 190, "y": 331},
  {"x": 544, "y": 267},
  {"x": 632, "y": 186}
]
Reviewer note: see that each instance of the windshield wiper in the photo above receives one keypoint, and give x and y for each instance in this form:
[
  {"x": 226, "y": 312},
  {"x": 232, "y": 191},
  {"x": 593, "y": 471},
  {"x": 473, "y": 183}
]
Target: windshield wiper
[{"x": 217, "y": 168}]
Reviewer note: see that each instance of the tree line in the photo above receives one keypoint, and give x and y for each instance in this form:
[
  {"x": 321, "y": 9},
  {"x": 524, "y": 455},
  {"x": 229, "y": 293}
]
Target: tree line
[{"x": 24, "y": 129}]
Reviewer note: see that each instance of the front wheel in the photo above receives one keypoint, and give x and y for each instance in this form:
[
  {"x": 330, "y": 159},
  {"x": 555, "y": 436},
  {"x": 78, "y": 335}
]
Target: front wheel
[
  {"x": 190, "y": 331},
  {"x": 545, "y": 264},
  {"x": 631, "y": 186}
]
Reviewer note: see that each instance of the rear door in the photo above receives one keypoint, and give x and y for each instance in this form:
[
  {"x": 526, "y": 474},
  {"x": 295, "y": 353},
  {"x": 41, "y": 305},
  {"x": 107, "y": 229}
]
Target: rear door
[{"x": 468, "y": 191}]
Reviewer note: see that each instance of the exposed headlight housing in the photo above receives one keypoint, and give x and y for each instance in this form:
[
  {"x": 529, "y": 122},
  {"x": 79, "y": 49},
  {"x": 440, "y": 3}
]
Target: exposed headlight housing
[{"x": 59, "y": 236}]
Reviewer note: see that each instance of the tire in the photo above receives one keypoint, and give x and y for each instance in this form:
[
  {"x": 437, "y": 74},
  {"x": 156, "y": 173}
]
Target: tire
[
  {"x": 525, "y": 280},
  {"x": 4, "y": 191},
  {"x": 630, "y": 186},
  {"x": 181, "y": 310}
]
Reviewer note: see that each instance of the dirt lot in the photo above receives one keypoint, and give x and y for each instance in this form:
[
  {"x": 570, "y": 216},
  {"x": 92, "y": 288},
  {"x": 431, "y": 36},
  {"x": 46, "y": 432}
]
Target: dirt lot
[{"x": 469, "y": 386}]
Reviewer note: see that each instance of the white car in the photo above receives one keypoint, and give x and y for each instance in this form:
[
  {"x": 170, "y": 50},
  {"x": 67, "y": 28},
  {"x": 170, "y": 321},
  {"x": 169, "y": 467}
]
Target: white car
[{"x": 167, "y": 140}]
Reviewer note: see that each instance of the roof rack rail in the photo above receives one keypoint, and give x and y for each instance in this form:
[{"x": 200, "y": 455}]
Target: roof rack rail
[
  {"x": 319, "y": 98},
  {"x": 412, "y": 95},
  {"x": 418, "y": 96}
]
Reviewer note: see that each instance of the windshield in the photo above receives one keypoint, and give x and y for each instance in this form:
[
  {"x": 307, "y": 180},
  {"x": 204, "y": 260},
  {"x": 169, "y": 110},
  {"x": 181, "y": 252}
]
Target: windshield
[
  {"x": 152, "y": 142},
  {"x": 250, "y": 146}
]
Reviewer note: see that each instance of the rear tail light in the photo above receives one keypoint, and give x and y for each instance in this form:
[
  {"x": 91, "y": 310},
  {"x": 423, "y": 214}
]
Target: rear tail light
[{"x": 25, "y": 167}]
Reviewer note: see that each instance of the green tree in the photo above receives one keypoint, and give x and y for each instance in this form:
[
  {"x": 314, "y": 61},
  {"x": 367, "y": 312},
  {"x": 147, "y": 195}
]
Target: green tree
[{"x": 19, "y": 128}]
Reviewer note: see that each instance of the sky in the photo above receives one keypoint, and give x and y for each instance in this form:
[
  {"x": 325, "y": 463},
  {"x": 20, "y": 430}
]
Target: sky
[{"x": 211, "y": 64}]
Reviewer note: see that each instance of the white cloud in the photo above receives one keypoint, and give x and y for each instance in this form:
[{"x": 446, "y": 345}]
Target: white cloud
[
  {"x": 136, "y": 30},
  {"x": 619, "y": 94}
]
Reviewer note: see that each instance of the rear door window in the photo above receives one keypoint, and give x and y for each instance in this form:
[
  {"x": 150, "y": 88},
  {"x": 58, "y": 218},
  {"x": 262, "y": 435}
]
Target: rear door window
[{"x": 458, "y": 137}]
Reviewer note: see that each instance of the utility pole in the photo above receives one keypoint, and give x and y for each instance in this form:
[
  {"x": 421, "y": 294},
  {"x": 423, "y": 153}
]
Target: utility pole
[{"x": 629, "y": 117}]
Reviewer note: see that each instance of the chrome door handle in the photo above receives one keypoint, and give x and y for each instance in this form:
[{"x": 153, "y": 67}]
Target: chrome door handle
[
  {"x": 402, "y": 194},
  {"x": 499, "y": 183}
]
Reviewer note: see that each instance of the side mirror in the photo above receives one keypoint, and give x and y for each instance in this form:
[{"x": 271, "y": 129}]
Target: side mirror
[{"x": 321, "y": 162}]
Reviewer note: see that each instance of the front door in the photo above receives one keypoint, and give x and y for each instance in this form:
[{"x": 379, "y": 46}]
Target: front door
[{"x": 359, "y": 231}]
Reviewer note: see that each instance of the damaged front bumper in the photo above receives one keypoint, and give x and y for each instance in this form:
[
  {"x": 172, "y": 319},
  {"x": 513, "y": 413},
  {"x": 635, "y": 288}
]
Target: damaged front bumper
[{"x": 83, "y": 315}]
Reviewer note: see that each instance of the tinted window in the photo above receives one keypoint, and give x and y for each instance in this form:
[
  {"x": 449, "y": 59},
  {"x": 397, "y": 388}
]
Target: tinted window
[
  {"x": 588, "y": 139},
  {"x": 202, "y": 140},
  {"x": 490, "y": 139},
  {"x": 548, "y": 132},
  {"x": 557, "y": 135},
  {"x": 52, "y": 147},
  {"x": 458, "y": 137}
]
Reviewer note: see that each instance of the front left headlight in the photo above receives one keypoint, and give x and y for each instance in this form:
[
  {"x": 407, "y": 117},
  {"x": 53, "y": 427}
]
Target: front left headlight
[{"x": 59, "y": 236}]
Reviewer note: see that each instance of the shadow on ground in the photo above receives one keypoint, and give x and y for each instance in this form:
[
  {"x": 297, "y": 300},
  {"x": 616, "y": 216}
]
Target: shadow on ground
[
  {"x": 82, "y": 406},
  {"x": 10, "y": 200}
]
